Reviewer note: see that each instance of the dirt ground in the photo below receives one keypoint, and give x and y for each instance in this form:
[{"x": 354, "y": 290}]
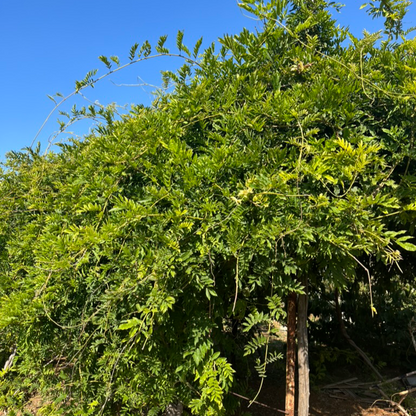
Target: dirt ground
[
  {"x": 321, "y": 404},
  {"x": 270, "y": 402}
]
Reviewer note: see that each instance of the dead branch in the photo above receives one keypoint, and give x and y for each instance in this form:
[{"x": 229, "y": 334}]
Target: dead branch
[
  {"x": 404, "y": 393},
  {"x": 399, "y": 407},
  {"x": 259, "y": 403},
  {"x": 391, "y": 380},
  {"x": 368, "y": 392},
  {"x": 329, "y": 386}
]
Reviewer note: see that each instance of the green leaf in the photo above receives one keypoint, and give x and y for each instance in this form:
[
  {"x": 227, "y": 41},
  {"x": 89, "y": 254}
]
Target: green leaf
[
  {"x": 115, "y": 59},
  {"x": 160, "y": 45},
  {"x": 197, "y": 47},
  {"x": 179, "y": 39},
  {"x": 105, "y": 61},
  {"x": 133, "y": 51},
  {"x": 128, "y": 324},
  {"x": 406, "y": 246},
  {"x": 51, "y": 98},
  {"x": 145, "y": 49}
]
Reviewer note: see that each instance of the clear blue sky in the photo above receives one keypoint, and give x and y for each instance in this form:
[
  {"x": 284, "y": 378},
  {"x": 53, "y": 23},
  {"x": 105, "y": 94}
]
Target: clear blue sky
[{"x": 48, "y": 44}]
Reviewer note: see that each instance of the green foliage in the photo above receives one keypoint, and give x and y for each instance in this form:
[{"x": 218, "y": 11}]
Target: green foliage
[
  {"x": 142, "y": 263},
  {"x": 393, "y": 12}
]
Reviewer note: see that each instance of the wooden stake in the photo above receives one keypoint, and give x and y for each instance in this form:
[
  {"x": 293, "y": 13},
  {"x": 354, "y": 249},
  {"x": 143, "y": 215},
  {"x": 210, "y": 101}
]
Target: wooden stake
[
  {"x": 291, "y": 355},
  {"x": 303, "y": 352}
]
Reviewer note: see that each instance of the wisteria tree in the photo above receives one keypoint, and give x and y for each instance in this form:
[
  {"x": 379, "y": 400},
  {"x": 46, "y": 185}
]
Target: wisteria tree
[{"x": 145, "y": 265}]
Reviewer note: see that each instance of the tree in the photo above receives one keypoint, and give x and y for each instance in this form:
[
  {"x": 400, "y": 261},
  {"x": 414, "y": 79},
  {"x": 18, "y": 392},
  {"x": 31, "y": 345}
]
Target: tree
[{"x": 140, "y": 262}]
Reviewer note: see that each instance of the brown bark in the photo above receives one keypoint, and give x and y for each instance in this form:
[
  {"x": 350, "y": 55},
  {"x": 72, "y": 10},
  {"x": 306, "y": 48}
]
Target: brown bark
[
  {"x": 291, "y": 355},
  {"x": 303, "y": 352}
]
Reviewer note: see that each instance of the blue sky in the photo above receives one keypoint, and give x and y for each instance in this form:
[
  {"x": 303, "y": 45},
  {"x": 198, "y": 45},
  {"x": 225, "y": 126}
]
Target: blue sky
[{"x": 48, "y": 44}]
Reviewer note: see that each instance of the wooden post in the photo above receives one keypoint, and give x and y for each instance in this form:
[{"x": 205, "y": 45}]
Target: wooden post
[
  {"x": 303, "y": 351},
  {"x": 291, "y": 355}
]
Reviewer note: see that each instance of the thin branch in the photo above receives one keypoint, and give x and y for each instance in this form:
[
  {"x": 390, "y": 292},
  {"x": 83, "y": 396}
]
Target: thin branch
[
  {"x": 236, "y": 283},
  {"x": 259, "y": 403},
  {"x": 93, "y": 82},
  {"x": 107, "y": 397},
  {"x": 404, "y": 394},
  {"x": 142, "y": 84},
  {"x": 299, "y": 165},
  {"x": 369, "y": 280},
  {"x": 399, "y": 407}
]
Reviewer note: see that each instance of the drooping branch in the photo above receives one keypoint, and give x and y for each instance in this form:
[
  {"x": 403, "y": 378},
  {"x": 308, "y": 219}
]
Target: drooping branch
[
  {"x": 91, "y": 82},
  {"x": 350, "y": 341}
]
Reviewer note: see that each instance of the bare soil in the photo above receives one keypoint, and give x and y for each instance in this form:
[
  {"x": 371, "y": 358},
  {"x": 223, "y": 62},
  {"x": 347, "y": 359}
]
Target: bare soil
[
  {"x": 271, "y": 400},
  {"x": 321, "y": 404}
]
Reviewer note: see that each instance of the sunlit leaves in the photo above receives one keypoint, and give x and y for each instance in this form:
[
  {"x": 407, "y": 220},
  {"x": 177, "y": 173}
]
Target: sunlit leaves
[
  {"x": 179, "y": 43},
  {"x": 145, "y": 49},
  {"x": 197, "y": 47},
  {"x": 105, "y": 61},
  {"x": 115, "y": 59},
  {"x": 393, "y": 12},
  {"x": 87, "y": 81},
  {"x": 160, "y": 45},
  {"x": 151, "y": 251},
  {"x": 133, "y": 50}
]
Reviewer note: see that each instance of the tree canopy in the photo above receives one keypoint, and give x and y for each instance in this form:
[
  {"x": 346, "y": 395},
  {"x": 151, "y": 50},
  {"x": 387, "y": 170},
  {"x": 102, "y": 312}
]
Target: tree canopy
[{"x": 138, "y": 263}]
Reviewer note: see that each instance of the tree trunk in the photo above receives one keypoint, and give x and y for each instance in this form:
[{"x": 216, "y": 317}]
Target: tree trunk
[
  {"x": 303, "y": 352},
  {"x": 291, "y": 355}
]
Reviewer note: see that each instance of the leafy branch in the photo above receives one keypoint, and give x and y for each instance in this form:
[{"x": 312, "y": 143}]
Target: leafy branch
[{"x": 144, "y": 54}]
